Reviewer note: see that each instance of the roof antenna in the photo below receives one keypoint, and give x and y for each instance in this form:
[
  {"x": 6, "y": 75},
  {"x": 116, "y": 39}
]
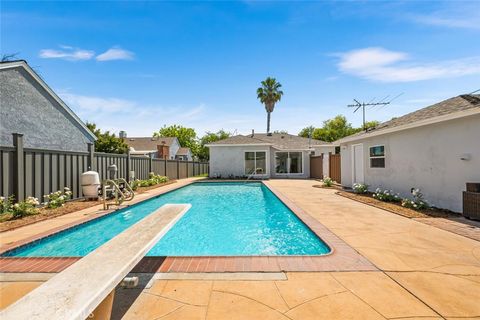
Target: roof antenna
[{"x": 362, "y": 105}]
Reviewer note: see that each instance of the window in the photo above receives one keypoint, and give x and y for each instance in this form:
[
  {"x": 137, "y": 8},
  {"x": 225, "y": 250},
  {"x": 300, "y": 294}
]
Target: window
[
  {"x": 255, "y": 160},
  {"x": 377, "y": 157},
  {"x": 288, "y": 162}
]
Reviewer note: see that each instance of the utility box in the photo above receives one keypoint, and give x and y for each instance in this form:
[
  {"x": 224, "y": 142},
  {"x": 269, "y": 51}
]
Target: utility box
[{"x": 471, "y": 201}]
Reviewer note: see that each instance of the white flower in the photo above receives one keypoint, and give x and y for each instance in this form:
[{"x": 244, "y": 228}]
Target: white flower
[{"x": 66, "y": 189}]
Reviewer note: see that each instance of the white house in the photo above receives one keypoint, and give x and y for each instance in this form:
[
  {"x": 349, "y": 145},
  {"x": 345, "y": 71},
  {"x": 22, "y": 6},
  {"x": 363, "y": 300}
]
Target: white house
[
  {"x": 158, "y": 147},
  {"x": 265, "y": 156},
  {"x": 436, "y": 149}
]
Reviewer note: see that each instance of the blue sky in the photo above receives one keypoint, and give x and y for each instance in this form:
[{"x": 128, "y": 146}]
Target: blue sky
[{"x": 139, "y": 65}]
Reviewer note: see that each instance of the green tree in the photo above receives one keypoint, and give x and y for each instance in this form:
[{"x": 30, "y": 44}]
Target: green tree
[
  {"x": 334, "y": 129},
  {"x": 187, "y": 137},
  {"x": 269, "y": 94},
  {"x": 106, "y": 141},
  {"x": 210, "y": 137},
  {"x": 281, "y": 131}
]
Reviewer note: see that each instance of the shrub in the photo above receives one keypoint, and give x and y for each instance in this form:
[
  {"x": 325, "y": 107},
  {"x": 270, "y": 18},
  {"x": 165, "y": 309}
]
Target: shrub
[
  {"x": 360, "y": 188},
  {"x": 386, "y": 195},
  {"x": 151, "y": 181},
  {"x": 417, "y": 203},
  {"x": 327, "y": 182},
  {"x": 6, "y": 204},
  {"x": 57, "y": 199},
  {"x": 25, "y": 208}
]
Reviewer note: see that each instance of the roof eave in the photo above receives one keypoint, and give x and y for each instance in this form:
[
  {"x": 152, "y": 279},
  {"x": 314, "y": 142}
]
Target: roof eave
[{"x": 447, "y": 117}]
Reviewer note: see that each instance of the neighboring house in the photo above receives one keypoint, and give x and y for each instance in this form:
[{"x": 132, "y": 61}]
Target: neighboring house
[
  {"x": 436, "y": 149},
  {"x": 158, "y": 147},
  {"x": 30, "y": 107},
  {"x": 276, "y": 155}
]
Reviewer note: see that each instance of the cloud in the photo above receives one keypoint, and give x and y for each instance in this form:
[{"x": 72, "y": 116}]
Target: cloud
[
  {"x": 466, "y": 16},
  {"x": 379, "y": 64},
  {"x": 68, "y": 53},
  {"x": 89, "y": 104},
  {"x": 115, "y": 54}
]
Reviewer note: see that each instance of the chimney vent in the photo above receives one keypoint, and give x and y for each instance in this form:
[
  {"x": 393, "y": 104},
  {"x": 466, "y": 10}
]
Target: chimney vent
[{"x": 253, "y": 132}]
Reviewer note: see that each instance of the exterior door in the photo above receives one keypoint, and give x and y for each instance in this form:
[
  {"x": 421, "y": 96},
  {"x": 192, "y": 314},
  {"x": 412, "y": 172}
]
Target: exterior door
[{"x": 357, "y": 163}]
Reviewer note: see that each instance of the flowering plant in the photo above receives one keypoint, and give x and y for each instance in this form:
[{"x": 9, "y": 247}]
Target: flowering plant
[
  {"x": 386, "y": 195},
  {"x": 360, "y": 188},
  {"x": 25, "y": 208},
  {"x": 58, "y": 198},
  {"x": 6, "y": 204},
  {"x": 327, "y": 182},
  {"x": 417, "y": 203}
]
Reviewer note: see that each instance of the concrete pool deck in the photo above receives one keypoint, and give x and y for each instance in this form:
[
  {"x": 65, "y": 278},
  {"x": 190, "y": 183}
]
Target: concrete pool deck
[{"x": 424, "y": 273}]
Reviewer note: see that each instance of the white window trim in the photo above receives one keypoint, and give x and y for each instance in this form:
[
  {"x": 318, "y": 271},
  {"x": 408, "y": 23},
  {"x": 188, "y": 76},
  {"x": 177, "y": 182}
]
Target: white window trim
[
  {"x": 290, "y": 174},
  {"x": 377, "y": 157},
  {"x": 267, "y": 162}
]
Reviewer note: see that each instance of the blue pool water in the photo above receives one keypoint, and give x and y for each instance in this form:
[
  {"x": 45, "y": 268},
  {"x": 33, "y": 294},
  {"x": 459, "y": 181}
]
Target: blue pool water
[{"x": 231, "y": 219}]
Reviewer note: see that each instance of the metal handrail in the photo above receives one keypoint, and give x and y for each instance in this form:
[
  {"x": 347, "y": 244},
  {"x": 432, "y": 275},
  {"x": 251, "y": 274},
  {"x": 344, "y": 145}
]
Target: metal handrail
[
  {"x": 254, "y": 172},
  {"x": 117, "y": 191}
]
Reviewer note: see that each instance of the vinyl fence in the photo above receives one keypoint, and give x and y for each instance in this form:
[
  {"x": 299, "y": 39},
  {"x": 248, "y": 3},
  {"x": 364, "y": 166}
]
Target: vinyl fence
[{"x": 36, "y": 172}]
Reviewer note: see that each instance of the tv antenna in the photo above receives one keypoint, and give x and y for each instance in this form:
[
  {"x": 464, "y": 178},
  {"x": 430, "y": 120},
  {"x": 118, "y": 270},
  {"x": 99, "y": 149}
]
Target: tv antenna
[{"x": 357, "y": 105}]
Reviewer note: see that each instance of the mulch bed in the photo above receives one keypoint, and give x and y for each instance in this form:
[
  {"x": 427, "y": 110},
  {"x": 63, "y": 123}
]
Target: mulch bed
[
  {"x": 69, "y": 207},
  {"x": 397, "y": 207}
]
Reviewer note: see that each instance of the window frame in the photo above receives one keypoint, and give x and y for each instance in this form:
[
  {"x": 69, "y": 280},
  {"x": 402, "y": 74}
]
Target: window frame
[
  {"x": 370, "y": 157},
  {"x": 288, "y": 167},
  {"x": 267, "y": 163}
]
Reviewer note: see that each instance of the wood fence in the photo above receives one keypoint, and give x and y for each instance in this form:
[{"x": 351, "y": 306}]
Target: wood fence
[
  {"x": 36, "y": 172},
  {"x": 316, "y": 167},
  {"x": 334, "y": 167}
]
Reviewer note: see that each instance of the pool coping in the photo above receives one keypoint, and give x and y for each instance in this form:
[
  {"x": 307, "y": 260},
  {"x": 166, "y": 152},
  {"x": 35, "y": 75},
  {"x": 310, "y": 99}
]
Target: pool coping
[{"x": 342, "y": 257}]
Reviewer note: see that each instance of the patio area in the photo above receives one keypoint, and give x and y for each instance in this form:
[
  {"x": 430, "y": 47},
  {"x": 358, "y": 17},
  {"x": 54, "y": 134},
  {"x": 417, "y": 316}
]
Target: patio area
[{"x": 423, "y": 273}]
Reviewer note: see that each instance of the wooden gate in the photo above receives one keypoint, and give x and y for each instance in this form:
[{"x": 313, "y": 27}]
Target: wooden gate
[
  {"x": 334, "y": 167},
  {"x": 316, "y": 166}
]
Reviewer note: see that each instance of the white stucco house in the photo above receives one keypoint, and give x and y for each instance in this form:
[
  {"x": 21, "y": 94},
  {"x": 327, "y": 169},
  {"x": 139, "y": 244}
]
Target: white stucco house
[
  {"x": 158, "y": 147},
  {"x": 265, "y": 156},
  {"x": 436, "y": 149}
]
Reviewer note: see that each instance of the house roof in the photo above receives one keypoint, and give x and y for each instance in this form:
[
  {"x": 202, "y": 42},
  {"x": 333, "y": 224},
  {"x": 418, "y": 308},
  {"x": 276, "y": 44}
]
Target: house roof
[
  {"x": 23, "y": 64},
  {"x": 276, "y": 140},
  {"x": 182, "y": 151},
  {"x": 148, "y": 143},
  {"x": 442, "y": 111}
]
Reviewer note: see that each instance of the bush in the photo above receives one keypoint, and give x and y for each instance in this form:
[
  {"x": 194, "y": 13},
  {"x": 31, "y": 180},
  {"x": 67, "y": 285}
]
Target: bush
[
  {"x": 25, "y": 208},
  {"x": 417, "y": 203},
  {"x": 6, "y": 204},
  {"x": 360, "y": 188},
  {"x": 327, "y": 182},
  {"x": 386, "y": 195},
  {"x": 152, "y": 181},
  {"x": 57, "y": 199}
]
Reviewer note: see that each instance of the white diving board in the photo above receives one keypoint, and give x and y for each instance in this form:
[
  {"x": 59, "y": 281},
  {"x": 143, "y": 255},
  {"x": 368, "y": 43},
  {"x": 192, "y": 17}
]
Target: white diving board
[{"x": 75, "y": 292}]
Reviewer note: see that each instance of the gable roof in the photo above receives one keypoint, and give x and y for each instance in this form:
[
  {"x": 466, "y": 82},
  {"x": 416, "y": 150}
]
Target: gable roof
[
  {"x": 182, "y": 151},
  {"x": 452, "y": 108},
  {"x": 23, "y": 64},
  {"x": 148, "y": 143},
  {"x": 276, "y": 140}
]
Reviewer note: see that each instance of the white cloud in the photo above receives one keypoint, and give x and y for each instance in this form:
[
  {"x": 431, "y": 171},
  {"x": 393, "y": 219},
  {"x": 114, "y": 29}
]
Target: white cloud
[
  {"x": 465, "y": 16},
  {"x": 89, "y": 104},
  {"x": 383, "y": 65},
  {"x": 68, "y": 53},
  {"x": 115, "y": 54}
]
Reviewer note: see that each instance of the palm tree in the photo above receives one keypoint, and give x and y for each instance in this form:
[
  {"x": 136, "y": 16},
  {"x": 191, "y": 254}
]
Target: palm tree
[{"x": 269, "y": 94}]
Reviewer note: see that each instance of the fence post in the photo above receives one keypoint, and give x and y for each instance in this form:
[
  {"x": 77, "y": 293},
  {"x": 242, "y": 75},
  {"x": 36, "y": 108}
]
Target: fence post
[
  {"x": 127, "y": 167},
  {"x": 178, "y": 169},
  {"x": 18, "y": 168},
  {"x": 165, "y": 165},
  {"x": 91, "y": 157},
  {"x": 150, "y": 164}
]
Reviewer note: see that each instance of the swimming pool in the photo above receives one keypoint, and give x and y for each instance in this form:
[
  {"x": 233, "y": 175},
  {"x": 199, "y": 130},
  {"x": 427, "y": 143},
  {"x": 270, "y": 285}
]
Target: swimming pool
[{"x": 226, "y": 219}]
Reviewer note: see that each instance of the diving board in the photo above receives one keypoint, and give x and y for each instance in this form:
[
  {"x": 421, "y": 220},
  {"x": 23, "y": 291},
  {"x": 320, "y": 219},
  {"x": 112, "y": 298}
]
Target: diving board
[{"x": 75, "y": 292}]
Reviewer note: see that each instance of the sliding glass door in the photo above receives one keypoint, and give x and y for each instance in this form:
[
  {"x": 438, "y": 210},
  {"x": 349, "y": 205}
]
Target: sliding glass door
[
  {"x": 288, "y": 162},
  {"x": 255, "y": 162}
]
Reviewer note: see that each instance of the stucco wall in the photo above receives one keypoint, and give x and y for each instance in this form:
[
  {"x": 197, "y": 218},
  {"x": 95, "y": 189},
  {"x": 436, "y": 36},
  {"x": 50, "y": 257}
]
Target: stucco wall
[
  {"x": 426, "y": 157},
  {"x": 226, "y": 161},
  {"x": 27, "y": 108}
]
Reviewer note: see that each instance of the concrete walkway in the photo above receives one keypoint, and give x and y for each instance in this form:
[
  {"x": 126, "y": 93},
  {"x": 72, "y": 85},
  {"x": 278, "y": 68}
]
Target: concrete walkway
[{"x": 425, "y": 273}]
